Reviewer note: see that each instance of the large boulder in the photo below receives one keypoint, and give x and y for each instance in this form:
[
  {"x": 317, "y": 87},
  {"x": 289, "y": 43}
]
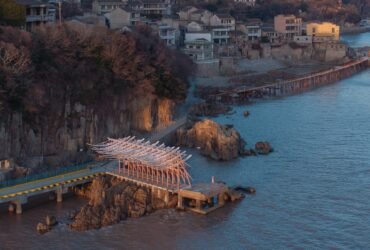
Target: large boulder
[
  {"x": 112, "y": 200},
  {"x": 219, "y": 142}
]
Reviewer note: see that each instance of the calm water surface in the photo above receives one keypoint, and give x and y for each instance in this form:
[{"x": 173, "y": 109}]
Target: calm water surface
[
  {"x": 312, "y": 192},
  {"x": 357, "y": 40}
]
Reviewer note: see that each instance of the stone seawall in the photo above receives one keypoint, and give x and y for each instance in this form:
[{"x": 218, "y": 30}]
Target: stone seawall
[{"x": 244, "y": 94}]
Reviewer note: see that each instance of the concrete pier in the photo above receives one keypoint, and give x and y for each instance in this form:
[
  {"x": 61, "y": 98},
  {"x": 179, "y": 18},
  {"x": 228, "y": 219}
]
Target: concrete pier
[
  {"x": 59, "y": 193},
  {"x": 203, "y": 195}
]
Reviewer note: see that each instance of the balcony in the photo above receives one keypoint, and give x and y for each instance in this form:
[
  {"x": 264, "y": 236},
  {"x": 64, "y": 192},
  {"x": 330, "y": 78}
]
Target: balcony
[{"x": 40, "y": 18}]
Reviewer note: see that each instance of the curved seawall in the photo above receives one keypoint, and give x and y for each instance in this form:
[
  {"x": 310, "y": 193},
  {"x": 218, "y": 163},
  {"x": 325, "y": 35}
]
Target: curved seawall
[{"x": 283, "y": 88}]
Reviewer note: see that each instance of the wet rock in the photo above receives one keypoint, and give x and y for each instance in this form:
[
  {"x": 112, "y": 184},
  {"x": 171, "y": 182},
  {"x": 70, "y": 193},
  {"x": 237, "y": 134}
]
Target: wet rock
[
  {"x": 216, "y": 141},
  {"x": 247, "y": 152},
  {"x": 111, "y": 201},
  {"x": 233, "y": 195},
  {"x": 42, "y": 228},
  {"x": 51, "y": 220},
  {"x": 248, "y": 190},
  {"x": 263, "y": 148}
]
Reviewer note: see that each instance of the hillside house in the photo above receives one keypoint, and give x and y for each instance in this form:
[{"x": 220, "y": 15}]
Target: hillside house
[
  {"x": 121, "y": 17},
  {"x": 288, "y": 25}
]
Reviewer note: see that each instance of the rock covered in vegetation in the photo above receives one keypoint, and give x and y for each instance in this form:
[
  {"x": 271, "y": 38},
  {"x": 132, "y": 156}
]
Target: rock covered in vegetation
[
  {"x": 219, "y": 142},
  {"x": 112, "y": 200}
]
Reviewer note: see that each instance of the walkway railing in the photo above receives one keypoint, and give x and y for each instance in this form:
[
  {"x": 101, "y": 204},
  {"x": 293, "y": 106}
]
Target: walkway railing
[{"x": 47, "y": 174}]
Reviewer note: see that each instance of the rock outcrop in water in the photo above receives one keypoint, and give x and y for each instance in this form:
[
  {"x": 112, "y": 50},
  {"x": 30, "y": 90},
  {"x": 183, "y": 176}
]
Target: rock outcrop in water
[
  {"x": 219, "y": 142},
  {"x": 263, "y": 148},
  {"x": 50, "y": 222},
  {"x": 112, "y": 200}
]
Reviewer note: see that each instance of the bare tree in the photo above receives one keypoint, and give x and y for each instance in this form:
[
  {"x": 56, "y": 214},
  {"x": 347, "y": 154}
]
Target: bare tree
[{"x": 13, "y": 60}]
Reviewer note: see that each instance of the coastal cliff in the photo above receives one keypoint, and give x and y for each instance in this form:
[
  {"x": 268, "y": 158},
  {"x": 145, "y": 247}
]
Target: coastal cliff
[
  {"x": 63, "y": 137},
  {"x": 64, "y": 87}
]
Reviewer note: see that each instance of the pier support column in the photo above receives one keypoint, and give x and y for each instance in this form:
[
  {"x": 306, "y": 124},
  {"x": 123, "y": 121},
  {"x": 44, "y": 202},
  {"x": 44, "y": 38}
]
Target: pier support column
[
  {"x": 59, "y": 193},
  {"x": 198, "y": 204},
  {"x": 152, "y": 193},
  {"x": 18, "y": 209},
  {"x": 180, "y": 202},
  {"x": 220, "y": 199},
  {"x": 18, "y": 204},
  {"x": 11, "y": 208},
  {"x": 166, "y": 197}
]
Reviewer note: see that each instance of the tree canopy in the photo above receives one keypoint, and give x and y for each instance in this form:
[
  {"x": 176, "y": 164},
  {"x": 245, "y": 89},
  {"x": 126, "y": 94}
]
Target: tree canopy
[
  {"x": 12, "y": 13},
  {"x": 85, "y": 64}
]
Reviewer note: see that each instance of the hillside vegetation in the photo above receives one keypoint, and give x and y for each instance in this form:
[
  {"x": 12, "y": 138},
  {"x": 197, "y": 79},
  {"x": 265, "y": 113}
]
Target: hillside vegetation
[{"x": 72, "y": 62}]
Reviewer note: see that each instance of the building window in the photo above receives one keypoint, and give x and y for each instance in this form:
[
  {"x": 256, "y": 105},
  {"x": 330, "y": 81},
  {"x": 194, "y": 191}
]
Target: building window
[
  {"x": 333, "y": 30},
  {"x": 313, "y": 30}
]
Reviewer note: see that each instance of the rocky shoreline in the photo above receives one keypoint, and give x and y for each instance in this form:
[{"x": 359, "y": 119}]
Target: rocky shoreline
[
  {"x": 112, "y": 200},
  {"x": 218, "y": 142}
]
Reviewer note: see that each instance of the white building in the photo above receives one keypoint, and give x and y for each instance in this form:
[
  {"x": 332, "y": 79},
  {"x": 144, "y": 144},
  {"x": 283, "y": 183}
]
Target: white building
[
  {"x": 223, "y": 20},
  {"x": 101, "y": 7},
  {"x": 303, "y": 39},
  {"x": 167, "y": 34},
  {"x": 220, "y": 34},
  {"x": 194, "y": 27},
  {"x": 121, "y": 17},
  {"x": 37, "y": 13},
  {"x": 246, "y": 2},
  {"x": 199, "y": 46},
  {"x": 151, "y": 8}
]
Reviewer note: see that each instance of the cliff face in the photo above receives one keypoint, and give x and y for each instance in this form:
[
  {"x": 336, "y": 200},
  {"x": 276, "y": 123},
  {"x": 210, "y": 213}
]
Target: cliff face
[
  {"x": 63, "y": 137},
  {"x": 64, "y": 87}
]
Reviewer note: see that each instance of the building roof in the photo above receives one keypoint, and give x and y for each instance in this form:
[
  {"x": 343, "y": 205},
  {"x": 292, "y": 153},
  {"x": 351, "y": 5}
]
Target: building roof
[
  {"x": 224, "y": 16},
  {"x": 187, "y": 8},
  {"x": 129, "y": 9},
  {"x": 155, "y": 155}
]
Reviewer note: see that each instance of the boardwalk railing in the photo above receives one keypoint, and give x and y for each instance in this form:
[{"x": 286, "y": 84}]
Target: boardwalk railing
[{"x": 47, "y": 174}]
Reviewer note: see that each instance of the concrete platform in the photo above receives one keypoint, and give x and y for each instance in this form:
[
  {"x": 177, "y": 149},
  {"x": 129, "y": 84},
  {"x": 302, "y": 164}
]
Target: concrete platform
[{"x": 203, "y": 193}]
